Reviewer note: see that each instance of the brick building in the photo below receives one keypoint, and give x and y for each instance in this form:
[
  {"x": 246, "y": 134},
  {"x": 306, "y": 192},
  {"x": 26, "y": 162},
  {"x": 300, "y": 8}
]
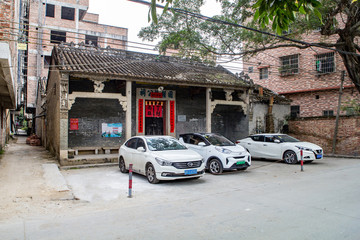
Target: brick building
[
  {"x": 8, "y": 63},
  {"x": 310, "y": 78},
  {"x": 52, "y": 22}
]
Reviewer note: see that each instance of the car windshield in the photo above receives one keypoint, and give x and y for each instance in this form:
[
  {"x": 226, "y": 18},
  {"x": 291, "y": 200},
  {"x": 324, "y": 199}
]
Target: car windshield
[
  {"x": 164, "y": 144},
  {"x": 218, "y": 140},
  {"x": 286, "y": 138}
]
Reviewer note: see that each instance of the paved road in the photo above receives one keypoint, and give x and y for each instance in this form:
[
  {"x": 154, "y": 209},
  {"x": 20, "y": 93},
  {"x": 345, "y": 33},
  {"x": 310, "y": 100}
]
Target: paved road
[{"x": 267, "y": 201}]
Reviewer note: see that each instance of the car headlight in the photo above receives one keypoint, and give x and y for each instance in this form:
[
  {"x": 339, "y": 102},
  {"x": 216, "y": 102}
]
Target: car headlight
[
  {"x": 304, "y": 148},
  {"x": 163, "y": 162},
  {"x": 223, "y": 150}
]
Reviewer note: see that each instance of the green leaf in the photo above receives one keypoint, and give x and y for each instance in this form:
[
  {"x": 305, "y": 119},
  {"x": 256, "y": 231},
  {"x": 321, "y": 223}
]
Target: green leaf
[
  {"x": 256, "y": 15},
  {"x": 302, "y": 10},
  {"x": 153, "y": 11},
  {"x": 318, "y": 14}
]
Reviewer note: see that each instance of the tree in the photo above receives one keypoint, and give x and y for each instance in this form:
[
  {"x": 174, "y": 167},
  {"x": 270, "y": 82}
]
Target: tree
[{"x": 185, "y": 30}]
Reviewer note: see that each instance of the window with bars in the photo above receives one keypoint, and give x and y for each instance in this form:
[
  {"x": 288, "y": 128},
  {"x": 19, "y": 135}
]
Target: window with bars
[
  {"x": 325, "y": 63},
  {"x": 289, "y": 65},
  {"x": 264, "y": 73}
]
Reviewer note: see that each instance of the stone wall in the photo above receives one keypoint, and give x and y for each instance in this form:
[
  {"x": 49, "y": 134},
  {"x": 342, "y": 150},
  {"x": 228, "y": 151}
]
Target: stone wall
[
  {"x": 320, "y": 130},
  {"x": 53, "y": 113},
  {"x": 91, "y": 114}
]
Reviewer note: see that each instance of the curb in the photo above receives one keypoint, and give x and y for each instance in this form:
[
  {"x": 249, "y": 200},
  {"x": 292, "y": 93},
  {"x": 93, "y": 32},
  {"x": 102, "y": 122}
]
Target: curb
[
  {"x": 341, "y": 156},
  {"x": 88, "y": 166}
]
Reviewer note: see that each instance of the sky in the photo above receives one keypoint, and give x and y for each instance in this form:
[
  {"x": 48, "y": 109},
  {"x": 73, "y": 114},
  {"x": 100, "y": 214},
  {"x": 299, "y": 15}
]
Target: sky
[{"x": 134, "y": 16}]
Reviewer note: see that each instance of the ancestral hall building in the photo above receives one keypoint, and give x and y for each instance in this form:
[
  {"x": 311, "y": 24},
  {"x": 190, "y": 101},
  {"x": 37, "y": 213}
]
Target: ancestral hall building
[{"x": 98, "y": 97}]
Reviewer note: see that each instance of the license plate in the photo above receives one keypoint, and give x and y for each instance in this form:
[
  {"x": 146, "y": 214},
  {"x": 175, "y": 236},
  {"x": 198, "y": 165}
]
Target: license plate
[
  {"x": 240, "y": 162},
  {"x": 319, "y": 156},
  {"x": 190, "y": 172}
]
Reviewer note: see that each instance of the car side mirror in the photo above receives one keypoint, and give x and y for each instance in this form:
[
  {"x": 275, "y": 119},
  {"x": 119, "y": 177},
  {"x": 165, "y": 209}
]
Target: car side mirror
[
  {"x": 202, "y": 144},
  {"x": 141, "y": 149},
  {"x": 277, "y": 141}
]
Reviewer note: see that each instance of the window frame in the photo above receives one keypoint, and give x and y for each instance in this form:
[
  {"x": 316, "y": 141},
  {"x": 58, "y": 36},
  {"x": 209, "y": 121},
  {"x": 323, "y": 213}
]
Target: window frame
[
  {"x": 67, "y": 13},
  {"x": 57, "y": 34},
  {"x": 46, "y": 62},
  {"x": 295, "y": 111},
  {"x": 328, "y": 113},
  {"x": 263, "y": 75},
  {"x": 322, "y": 59},
  {"x": 94, "y": 42},
  {"x": 291, "y": 67},
  {"x": 48, "y": 11}
]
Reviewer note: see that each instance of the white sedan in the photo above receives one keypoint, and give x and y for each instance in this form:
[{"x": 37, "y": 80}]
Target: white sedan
[
  {"x": 160, "y": 158},
  {"x": 280, "y": 147},
  {"x": 218, "y": 152}
]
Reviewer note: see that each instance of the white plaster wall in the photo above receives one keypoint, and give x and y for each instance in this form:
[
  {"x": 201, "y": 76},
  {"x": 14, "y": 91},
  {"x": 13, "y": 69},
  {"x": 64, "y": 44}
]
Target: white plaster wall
[
  {"x": 257, "y": 124},
  {"x": 257, "y": 121},
  {"x": 281, "y": 114}
]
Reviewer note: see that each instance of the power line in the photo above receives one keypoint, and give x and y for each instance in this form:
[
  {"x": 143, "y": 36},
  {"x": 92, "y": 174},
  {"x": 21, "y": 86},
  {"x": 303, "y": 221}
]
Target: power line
[{"x": 210, "y": 19}]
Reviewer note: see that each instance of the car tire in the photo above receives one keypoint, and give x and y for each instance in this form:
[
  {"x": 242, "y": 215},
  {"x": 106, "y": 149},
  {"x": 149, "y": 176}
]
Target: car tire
[
  {"x": 290, "y": 157},
  {"x": 151, "y": 174},
  {"x": 215, "y": 166},
  {"x": 122, "y": 166}
]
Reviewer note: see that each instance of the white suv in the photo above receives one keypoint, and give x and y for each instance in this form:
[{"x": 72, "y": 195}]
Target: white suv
[{"x": 218, "y": 152}]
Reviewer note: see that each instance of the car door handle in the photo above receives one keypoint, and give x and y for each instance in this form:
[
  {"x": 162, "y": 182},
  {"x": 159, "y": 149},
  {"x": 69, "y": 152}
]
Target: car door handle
[
  {"x": 249, "y": 143},
  {"x": 265, "y": 144}
]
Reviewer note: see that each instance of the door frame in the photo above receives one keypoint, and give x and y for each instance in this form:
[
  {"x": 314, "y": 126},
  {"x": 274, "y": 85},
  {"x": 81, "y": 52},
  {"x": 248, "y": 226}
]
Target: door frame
[{"x": 166, "y": 96}]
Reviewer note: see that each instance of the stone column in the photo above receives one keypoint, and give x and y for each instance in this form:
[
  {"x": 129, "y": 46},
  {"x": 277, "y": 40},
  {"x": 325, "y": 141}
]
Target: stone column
[
  {"x": 208, "y": 110},
  {"x": 128, "y": 109},
  {"x": 64, "y": 115}
]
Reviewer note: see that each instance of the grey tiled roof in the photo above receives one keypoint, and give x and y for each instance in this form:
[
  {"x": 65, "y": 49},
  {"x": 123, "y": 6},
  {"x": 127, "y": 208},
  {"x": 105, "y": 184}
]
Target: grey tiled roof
[{"x": 114, "y": 63}]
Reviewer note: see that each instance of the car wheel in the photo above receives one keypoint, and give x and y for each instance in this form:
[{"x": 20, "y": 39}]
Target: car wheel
[
  {"x": 151, "y": 174},
  {"x": 215, "y": 166},
  {"x": 122, "y": 166},
  {"x": 290, "y": 157}
]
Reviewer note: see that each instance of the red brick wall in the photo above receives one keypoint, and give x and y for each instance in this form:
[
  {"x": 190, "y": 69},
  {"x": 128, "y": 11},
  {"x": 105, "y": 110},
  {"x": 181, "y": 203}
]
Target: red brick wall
[
  {"x": 306, "y": 79},
  {"x": 312, "y": 104},
  {"x": 303, "y": 87},
  {"x": 6, "y": 19},
  {"x": 321, "y": 131}
]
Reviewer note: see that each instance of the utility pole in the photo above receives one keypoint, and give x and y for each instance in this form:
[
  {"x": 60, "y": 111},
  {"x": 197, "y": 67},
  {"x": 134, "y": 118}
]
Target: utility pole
[{"x": 338, "y": 112}]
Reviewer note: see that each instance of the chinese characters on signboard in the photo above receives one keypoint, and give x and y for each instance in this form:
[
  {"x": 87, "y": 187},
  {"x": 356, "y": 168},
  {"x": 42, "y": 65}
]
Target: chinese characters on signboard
[
  {"x": 172, "y": 116},
  {"x": 154, "y": 93},
  {"x": 154, "y": 109},
  {"x": 111, "y": 129},
  {"x": 141, "y": 116},
  {"x": 74, "y": 124}
]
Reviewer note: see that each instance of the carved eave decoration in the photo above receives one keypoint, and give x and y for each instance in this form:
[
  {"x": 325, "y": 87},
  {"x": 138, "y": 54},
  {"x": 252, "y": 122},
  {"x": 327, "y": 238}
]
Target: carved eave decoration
[{"x": 98, "y": 88}]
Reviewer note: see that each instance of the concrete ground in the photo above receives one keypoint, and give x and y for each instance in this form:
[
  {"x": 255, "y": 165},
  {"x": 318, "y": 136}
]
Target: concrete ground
[{"x": 268, "y": 201}]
